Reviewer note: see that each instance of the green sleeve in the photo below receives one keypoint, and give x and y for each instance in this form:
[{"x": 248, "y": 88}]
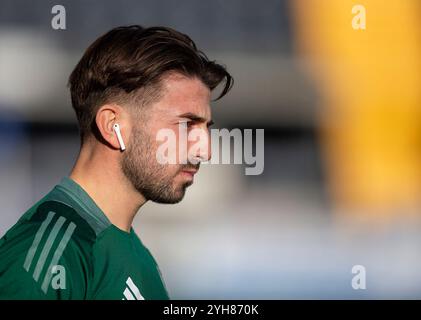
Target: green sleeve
[{"x": 46, "y": 255}]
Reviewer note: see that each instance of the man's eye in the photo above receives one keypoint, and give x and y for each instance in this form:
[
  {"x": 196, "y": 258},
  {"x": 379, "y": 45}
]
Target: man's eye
[{"x": 186, "y": 123}]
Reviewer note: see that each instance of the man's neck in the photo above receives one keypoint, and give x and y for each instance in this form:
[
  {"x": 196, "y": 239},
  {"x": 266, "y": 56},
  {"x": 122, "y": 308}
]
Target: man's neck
[{"x": 109, "y": 188}]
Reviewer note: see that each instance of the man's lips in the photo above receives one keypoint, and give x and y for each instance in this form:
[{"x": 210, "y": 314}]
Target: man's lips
[
  {"x": 189, "y": 172},
  {"x": 193, "y": 172}
]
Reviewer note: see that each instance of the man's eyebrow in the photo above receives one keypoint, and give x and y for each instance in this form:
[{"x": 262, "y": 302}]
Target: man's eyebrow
[{"x": 195, "y": 117}]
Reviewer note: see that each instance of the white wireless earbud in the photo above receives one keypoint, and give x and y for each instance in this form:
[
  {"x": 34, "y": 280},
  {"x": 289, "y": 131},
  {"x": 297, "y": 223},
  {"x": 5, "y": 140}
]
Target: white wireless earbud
[{"x": 119, "y": 137}]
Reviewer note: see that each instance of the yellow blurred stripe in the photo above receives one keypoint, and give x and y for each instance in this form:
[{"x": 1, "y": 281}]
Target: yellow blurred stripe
[{"x": 369, "y": 81}]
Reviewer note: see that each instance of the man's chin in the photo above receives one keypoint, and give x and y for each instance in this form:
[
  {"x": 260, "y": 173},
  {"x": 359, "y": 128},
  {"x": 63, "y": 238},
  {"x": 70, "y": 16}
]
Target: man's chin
[{"x": 174, "y": 198}]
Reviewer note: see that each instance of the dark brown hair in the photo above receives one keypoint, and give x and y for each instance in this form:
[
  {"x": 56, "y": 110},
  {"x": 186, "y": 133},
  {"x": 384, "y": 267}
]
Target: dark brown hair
[{"x": 126, "y": 62}]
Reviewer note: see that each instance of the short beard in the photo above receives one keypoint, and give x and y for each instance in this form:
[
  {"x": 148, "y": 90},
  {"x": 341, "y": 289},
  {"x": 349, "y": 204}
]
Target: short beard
[{"x": 147, "y": 176}]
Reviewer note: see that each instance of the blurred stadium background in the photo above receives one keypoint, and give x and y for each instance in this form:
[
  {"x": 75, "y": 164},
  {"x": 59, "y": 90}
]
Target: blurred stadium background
[{"x": 341, "y": 113}]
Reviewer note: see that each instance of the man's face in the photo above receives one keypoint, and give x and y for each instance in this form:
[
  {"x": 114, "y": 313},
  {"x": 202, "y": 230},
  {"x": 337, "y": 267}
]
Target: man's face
[{"x": 185, "y": 102}]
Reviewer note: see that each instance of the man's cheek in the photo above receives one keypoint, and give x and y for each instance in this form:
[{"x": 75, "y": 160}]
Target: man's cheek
[
  {"x": 172, "y": 146},
  {"x": 166, "y": 147}
]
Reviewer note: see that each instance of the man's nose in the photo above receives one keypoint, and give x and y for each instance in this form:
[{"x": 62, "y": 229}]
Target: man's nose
[{"x": 201, "y": 148}]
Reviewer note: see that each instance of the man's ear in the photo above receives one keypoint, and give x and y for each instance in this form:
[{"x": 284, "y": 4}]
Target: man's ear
[{"x": 106, "y": 117}]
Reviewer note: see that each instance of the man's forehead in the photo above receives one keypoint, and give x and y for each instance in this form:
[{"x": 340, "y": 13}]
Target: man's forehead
[
  {"x": 178, "y": 87},
  {"x": 184, "y": 95},
  {"x": 184, "y": 111}
]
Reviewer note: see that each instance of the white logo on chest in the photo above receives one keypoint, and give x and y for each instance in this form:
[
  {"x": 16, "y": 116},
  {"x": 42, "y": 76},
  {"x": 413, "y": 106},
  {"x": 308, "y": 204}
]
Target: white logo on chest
[{"x": 132, "y": 291}]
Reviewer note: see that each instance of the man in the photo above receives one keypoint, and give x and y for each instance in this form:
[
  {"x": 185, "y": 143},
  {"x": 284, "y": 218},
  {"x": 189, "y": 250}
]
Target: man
[{"x": 78, "y": 241}]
